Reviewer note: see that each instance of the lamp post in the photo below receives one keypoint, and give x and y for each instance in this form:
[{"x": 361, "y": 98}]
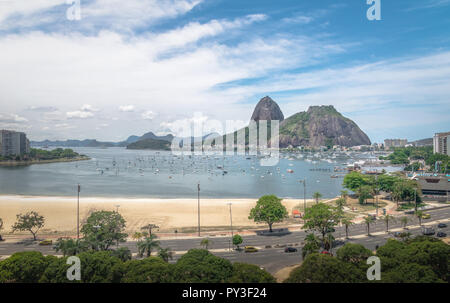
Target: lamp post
[
  {"x": 78, "y": 212},
  {"x": 415, "y": 199},
  {"x": 117, "y": 208},
  {"x": 198, "y": 206},
  {"x": 231, "y": 222},
  {"x": 304, "y": 194}
]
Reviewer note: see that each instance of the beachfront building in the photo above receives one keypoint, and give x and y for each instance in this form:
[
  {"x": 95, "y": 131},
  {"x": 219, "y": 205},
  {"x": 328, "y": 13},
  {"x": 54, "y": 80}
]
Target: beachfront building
[
  {"x": 392, "y": 143},
  {"x": 441, "y": 143},
  {"x": 13, "y": 143}
]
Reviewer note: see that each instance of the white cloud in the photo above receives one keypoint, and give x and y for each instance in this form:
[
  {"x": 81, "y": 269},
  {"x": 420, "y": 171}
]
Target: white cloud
[
  {"x": 12, "y": 118},
  {"x": 88, "y": 108},
  {"x": 148, "y": 115},
  {"x": 79, "y": 114},
  {"x": 126, "y": 108}
]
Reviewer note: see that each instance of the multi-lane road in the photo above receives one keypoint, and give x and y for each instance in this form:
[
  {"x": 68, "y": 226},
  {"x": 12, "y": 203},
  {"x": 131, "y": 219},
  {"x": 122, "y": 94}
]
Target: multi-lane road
[{"x": 271, "y": 253}]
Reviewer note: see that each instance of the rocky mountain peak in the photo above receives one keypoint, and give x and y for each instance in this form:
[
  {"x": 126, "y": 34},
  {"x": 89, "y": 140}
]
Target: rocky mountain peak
[{"x": 267, "y": 109}]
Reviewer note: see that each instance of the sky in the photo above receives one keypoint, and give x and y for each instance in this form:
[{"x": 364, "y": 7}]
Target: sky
[{"x": 108, "y": 69}]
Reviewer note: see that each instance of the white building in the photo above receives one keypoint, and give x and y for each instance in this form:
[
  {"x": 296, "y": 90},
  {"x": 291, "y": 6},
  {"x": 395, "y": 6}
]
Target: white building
[
  {"x": 13, "y": 143},
  {"x": 441, "y": 143}
]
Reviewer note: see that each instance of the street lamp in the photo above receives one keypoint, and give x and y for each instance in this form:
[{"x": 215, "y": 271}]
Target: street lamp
[
  {"x": 78, "y": 212},
  {"x": 231, "y": 221},
  {"x": 304, "y": 194},
  {"x": 198, "y": 206},
  {"x": 117, "y": 208}
]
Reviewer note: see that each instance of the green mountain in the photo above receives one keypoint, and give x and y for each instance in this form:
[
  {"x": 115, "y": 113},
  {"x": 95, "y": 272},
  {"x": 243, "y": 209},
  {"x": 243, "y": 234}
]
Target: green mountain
[{"x": 153, "y": 144}]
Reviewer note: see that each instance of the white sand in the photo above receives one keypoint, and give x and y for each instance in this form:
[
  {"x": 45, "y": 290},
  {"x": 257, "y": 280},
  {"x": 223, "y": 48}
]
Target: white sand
[{"x": 169, "y": 214}]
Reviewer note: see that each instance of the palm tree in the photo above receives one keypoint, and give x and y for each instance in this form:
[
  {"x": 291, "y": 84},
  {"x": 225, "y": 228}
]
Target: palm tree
[
  {"x": 147, "y": 245},
  {"x": 386, "y": 219},
  {"x": 317, "y": 196},
  {"x": 206, "y": 242},
  {"x": 166, "y": 254},
  {"x": 419, "y": 215},
  {"x": 346, "y": 222},
  {"x": 149, "y": 227},
  {"x": 404, "y": 221},
  {"x": 137, "y": 236},
  {"x": 368, "y": 220},
  {"x": 344, "y": 195},
  {"x": 312, "y": 245},
  {"x": 328, "y": 242}
]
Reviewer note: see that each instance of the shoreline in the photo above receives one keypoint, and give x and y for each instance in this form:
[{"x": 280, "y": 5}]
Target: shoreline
[
  {"x": 12, "y": 163},
  {"x": 168, "y": 214}
]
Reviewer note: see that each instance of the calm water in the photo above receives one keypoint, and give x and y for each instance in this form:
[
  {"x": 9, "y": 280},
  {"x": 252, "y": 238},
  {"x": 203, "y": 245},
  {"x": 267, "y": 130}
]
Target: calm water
[{"x": 117, "y": 172}]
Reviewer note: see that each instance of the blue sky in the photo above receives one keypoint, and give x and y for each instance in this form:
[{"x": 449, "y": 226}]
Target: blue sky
[{"x": 128, "y": 67}]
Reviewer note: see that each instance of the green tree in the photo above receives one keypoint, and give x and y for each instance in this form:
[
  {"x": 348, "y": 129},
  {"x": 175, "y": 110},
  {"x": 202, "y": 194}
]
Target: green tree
[
  {"x": 123, "y": 253},
  {"x": 268, "y": 209},
  {"x": 146, "y": 245},
  {"x": 321, "y": 268},
  {"x": 96, "y": 266},
  {"x": 23, "y": 267},
  {"x": 104, "y": 228},
  {"x": 419, "y": 214},
  {"x": 150, "y": 227},
  {"x": 237, "y": 240},
  {"x": 312, "y": 245},
  {"x": 321, "y": 218},
  {"x": 344, "y": 195},
  {"x": 364, "y": 193},
  {"x": 137, "y": 236},
  {"x": 404, "y": 221},
  {"x": 387, "y": 219},
  {"x": 355, "y": 254},
  {"x": 317, "y": 196},
  {"x": 166, "y": 254},
  {"x": 354, "y": 181},
  {"x": 30, "y": 221},
  {"x": 206, "y": 243},
  {"x": 70, "y": 247},
  {"x": 249, "y": 273},
  {"x": 368, "y": 220},
  {"x": 148, "y": 270},
  {"x": 200, "y": 266},
  {"x": 346, "y": 222}
]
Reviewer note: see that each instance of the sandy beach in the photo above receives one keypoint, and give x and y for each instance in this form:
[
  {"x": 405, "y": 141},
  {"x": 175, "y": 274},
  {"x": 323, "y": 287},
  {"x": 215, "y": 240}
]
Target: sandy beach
[{"x": 169, "y": 214}]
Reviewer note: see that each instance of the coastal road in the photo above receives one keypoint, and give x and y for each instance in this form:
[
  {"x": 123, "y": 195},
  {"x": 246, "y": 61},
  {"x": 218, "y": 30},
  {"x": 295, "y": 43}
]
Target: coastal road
[{"x": 273, "y": 258}]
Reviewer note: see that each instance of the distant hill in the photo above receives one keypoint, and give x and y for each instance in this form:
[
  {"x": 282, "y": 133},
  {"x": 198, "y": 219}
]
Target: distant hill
[
  {"x": 422, "y": 142},
  {"x": 73, "y": 143},
  {"x": 321, "y": 126},
  {"x": 318, "y": 126},
  {"x": 152, "y": 144}
]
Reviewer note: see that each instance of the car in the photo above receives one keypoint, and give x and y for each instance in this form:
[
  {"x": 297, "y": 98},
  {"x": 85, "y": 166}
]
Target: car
[
  {"x": 426, "y": 216},
  {"x": 428, "y": 231},
  {"x": 442, "y": 225},
  {"x": 441, "y": 234},
  {"x": 290, "y": 249},
  {"x": 46, "y": 242},
  {"x": 397, "y": 234},
  {"x": 326, "y": 253},
  {"x": 250, "y": 249}
]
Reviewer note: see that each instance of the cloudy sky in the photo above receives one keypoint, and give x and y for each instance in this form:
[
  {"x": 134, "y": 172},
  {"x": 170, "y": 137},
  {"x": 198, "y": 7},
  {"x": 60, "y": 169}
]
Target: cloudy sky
[{"x": 128, "y": 67}]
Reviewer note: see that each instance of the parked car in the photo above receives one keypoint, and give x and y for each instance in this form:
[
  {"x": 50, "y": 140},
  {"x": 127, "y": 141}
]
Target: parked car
[
  {"x": 290, "y": 249},
  {"x": 250, "y": 249},
  {"x": 426, "y": 216},
  {"x": 46, "y": 242},
  {"x": 428, "y": 231},
  {"x": 441, "y": 234},
  {"x": 442, "y": 225},
  {"x": 326, "y": 253}
]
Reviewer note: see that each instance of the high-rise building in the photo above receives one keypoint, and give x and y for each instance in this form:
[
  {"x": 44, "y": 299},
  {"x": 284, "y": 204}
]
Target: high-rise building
[
  {"x": 13, "y": 143},
  {"x": 391, "y": 143},
  {"x": 441, "y": 143}
]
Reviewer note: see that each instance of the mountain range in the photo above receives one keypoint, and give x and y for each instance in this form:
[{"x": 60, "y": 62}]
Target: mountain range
[{"x": 318, "y": 126}]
